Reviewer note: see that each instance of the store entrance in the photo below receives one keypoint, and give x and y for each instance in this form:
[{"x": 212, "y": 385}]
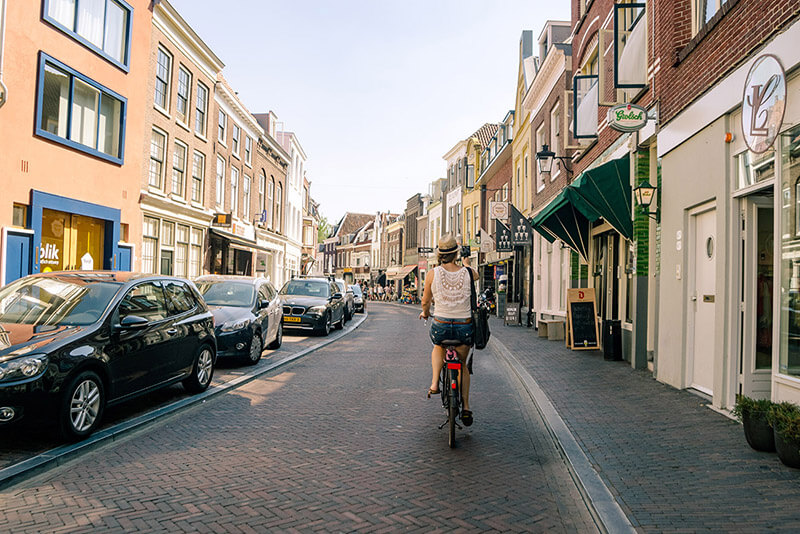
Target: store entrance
[
  {"x": 71, "y": 242},
  {"x": 756, "y": 293}
]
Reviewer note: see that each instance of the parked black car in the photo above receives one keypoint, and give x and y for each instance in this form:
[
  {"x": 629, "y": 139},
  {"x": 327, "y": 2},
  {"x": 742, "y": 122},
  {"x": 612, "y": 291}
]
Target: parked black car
[
  {"x": 349, "y": 299},
  {"x": 359, "y": 302},
  {"x": 72, "y": 343},
  {"x": 247, "y": 315},
  {"x": 312, "y": 304}
]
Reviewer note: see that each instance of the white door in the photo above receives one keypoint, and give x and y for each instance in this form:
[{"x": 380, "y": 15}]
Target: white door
[
  {"x": 756, "y": 350},
  {"x": 703, "y": 299}
]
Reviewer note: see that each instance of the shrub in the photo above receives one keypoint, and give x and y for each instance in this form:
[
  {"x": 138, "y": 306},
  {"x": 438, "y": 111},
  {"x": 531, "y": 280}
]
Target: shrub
[
  {"x": 785, "y": 419},
  {"x": 746, "y": 406}
]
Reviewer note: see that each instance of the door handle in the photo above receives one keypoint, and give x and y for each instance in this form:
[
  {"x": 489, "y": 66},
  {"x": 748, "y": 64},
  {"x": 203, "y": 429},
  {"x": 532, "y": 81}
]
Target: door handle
[
  {"x": 694, "y": 298},
  {"x": 172, "y": 331}
]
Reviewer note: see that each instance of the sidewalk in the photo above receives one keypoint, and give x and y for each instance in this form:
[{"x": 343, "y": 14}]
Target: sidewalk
[{"x": 672, "y": 463}]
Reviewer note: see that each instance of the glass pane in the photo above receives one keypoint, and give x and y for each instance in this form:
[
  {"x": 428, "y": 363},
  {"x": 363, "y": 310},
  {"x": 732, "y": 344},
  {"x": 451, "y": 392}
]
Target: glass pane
[
  {"x": 149, "y": 246},
  {"x": 752, "y": 168},
  {"x": 764, "y": 283},
  {"x": 116, "y": 32},
  {"x": 110, "y": 124},
  {"x": 168, "y": 233},
  {"x": 63, "y": 12},
  {"x": 156, "y": 158},
  {"x": 52, "y": 255},
  {"x": 586, "y": 100},
  {"x": 790, "y": 255},
  {"x": 85, "y": 102},
  {"x": 145, "y": 300},
  {"x": 90, "y": 20},
  {"x": 55, "y": 101},
  {"x": 631, "y": 45}
]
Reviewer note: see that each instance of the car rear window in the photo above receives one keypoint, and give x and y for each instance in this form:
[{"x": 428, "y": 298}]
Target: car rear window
[{"x": 306, "y": 288}]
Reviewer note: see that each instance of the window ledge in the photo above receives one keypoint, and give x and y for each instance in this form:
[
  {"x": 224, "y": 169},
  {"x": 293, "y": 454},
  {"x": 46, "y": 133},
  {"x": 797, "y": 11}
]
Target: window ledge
[
  {"x": 155, "y": 191},
  {"x": 236, "y": 155},
  {"x": 162, "y": 111},
  {"x": 177, "y": 198},
  {"x": 183, "y": 125},
  {"x": 694, "y": 42},
  {"x": 203, "y": 138}
]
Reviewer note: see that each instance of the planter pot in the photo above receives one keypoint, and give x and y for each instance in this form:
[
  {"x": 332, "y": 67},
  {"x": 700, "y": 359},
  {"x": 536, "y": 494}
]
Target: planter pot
[
  {"x": 788, "y": 451},
  {"x": 757, "y": 431}
]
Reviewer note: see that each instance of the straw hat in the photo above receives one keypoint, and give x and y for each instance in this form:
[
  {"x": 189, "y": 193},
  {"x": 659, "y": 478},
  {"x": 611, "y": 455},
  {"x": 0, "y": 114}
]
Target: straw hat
[{"x": 447, "y": 244}]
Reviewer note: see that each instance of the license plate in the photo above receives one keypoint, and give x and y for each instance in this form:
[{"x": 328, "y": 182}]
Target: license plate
[{"x": 291, "y": 319}]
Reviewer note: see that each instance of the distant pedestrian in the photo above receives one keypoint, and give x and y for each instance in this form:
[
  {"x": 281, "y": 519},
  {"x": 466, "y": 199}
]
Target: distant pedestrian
[{"x": 380, "y": 292}]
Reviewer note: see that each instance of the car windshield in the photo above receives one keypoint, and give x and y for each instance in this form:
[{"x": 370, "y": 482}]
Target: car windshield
[
  {"x": 226, "y": 293},
  {"x": 356, "y": 290},
  {"x": 55, "y": 301},
  {"x": 306, "y": 288}
]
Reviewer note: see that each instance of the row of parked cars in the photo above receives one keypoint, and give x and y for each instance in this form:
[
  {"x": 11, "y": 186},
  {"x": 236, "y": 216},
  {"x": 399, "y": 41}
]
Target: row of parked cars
[{"x": 75, "y": 342}]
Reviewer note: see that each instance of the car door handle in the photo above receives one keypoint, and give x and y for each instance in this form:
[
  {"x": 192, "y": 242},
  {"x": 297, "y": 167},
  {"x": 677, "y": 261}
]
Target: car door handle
[{"x": 172, "y": 331}]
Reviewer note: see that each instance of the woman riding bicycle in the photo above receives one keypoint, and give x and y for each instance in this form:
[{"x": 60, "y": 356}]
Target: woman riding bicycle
[{"x": 448, "y": 285}]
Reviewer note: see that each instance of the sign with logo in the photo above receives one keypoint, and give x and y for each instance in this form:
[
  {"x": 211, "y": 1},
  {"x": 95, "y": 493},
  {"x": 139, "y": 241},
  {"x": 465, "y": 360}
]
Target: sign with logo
[
  {"x": 487, "y": 243},
  {"x": 521, "y": 229},
  {"x": 627, "y": 117},
  {"x": 222, "y": 219},
  {"x": 424, "y": 250},
  {"x": 498, "y": 210},
  {"x": 502, "y": 237},
  {"x": 763, "y": 103}
]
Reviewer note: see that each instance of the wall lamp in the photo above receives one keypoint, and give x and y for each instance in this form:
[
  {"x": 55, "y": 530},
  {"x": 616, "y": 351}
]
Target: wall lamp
[
  {"x": 644, "y": 194},
  {"x": 545, "y": 157}
]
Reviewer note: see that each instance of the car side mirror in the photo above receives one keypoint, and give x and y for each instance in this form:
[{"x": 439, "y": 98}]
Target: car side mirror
[
  {"x": 336, "y": 296},
  {"x": 263, "y": 303},
  {"x": 132, "y": 322}
]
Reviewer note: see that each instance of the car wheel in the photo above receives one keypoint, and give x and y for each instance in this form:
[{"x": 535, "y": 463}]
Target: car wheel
[
  {"x": 256, "y": 348},
  {"x": 278, "y": 338},
  {"x": 326, "y": 329},
  {"x": 202, "y": 371},
  {"x": 341, "y": 322},
  {"x": 82, "y": 406},
  {"x": 348, "y": 314}
]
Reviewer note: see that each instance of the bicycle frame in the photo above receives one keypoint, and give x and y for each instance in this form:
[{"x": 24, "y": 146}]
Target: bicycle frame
[{"x": 449, "y": 385}]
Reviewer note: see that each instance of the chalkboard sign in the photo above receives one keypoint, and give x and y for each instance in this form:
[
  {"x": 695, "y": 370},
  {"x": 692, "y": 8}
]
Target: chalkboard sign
[
  {"x": 582, "y": 319},
  {"x": 512, "y": 313}
]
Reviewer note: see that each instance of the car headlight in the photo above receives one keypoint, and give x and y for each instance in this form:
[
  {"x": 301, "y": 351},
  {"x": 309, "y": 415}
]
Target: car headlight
[
  {"x": 23, "y": 367},
  {"x": 316, "y": 310},
  {"x": 232, "y": 326}
]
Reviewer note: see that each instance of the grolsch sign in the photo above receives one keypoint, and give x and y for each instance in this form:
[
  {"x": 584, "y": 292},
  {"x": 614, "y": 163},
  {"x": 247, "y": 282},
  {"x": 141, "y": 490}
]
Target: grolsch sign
[{"x": 627, "y": 117}]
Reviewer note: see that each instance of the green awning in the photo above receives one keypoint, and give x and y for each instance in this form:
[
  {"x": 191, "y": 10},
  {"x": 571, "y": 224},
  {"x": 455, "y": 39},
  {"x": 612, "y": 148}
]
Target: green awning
[
  {"x": 601, "y": 192},
  {"x": 605, "y": 191},
  {"x": 561, "y": 220}
]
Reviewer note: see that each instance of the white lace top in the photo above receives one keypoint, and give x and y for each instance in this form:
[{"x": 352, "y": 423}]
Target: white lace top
[{"x": 451, "y": 293}]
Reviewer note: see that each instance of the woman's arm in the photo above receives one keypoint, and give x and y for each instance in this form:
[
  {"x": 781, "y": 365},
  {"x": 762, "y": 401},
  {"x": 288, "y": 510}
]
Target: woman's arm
[{"x": 427, "y": 296}]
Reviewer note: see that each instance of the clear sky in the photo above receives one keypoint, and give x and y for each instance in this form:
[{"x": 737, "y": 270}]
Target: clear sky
[{"x": 376, "y": 91}]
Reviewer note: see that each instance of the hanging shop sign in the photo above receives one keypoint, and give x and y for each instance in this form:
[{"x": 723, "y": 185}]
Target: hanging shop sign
[
  {"x": 627, "y": 117},
  {"x": 502, "y": 237},
  {"x": 498, "y": 210},
  {"x": 424, "y": 250},
  {"x": 763, "y": 103},
  {"x": 521, "y": 230},
  {"x": 222, "y": 220}
]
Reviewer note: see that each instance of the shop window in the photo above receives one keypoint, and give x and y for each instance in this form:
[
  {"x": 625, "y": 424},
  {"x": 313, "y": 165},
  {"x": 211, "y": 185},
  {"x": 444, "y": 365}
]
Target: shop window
[
  {"x": 178, "y": 169},
  {"x": 181, "y": 250},
  {"x": 158, "y": 142},
  {"x": 104, "y": 26},
  {"x": 201, "y": 109},
  {"x": 184, "y": 95},
  {"x": 163, "y": 77},
  {"x": 20, "y": 216},
  {"x": 751, "y": 168},
  {"x": 198, "y": 176},
  {"x": 789, "y": 363},
  {"x": 630, "y": 45},
  {"x": 76, "y": 111}
]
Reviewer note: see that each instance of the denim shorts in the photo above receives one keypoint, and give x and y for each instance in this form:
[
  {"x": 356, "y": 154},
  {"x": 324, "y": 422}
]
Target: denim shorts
[{"x": 441, "y": 331}]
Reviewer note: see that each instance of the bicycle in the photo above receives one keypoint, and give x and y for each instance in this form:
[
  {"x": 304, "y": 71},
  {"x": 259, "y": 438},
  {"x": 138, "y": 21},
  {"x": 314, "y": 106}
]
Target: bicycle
[{"x": 450, "y": 389}]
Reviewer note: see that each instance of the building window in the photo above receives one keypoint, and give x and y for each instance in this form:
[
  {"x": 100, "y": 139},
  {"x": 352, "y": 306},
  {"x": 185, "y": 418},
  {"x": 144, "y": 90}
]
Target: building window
[
  {"x": 222, "y": 125},
  {"x": 102, "y": 25},
  {"x": 541, "y": 140},
  {"x": 158, "y": 143},
  {"x": 184, "y": 95},
  {"x": 278, "y": 212},
  {"x": 20, "y": 216},
  {"x": 703, "y": 11},
  {"x": 167, "y": 244},
  {"x": 234, "y": 191},
  {"x": 198, "y": 176},
  {"x": 163, "y": 73},
  {"x": 555, "y": 138},
  {"x": 201, "y": 107},
  {"x": 220, "y": 198},
  {"x": 149, "y": 244},
  {"x": 246, "y": 198},
  {"x": 76, "y": 111},
  {"x": 195, "y": 252},
  {"x": 178, "y": 168},
  {"x": 270, "y": 195},
  {"x": 248, "y": 150},
  {"x": 262, "y": 185},
  {"x": 237, "y": 133},
  {"x": 505, "y": 193},
  {"x": 181, "y": 250}
]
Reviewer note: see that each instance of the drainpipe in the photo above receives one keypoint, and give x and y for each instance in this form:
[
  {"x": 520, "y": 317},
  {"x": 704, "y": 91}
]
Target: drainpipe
[{"x": 3, "y": 88}]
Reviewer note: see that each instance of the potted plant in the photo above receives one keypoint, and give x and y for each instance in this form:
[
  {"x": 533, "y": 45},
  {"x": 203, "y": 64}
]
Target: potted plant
[
  {"x": 753, "y": 415},
  {"x": 785, "y": 421}
]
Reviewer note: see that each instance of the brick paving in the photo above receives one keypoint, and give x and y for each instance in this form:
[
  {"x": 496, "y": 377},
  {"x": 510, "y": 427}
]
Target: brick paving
[
  {"x": 342, "y": 440},
  {"x": 673, "y": 464}
]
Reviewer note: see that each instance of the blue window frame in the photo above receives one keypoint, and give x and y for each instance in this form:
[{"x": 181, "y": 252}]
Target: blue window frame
[
  {"x": 103, "y": 26},
  {"x": 76, "y": 111}
]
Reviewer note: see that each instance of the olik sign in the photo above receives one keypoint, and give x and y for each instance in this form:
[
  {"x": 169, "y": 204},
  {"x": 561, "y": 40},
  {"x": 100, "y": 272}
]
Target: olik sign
[
  {"x": 763, "y": 103},
  {"x": 627, "y": 117}
]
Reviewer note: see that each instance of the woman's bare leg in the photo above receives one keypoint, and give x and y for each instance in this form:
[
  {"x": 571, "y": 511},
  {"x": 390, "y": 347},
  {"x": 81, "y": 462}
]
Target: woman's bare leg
[{"x": 437, "y": 362}]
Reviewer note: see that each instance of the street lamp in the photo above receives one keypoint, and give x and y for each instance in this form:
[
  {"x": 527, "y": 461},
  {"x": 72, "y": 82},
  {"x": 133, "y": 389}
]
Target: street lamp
[
  {"x": 545, "y": 157},
  {"x": 644, "y": 194}
]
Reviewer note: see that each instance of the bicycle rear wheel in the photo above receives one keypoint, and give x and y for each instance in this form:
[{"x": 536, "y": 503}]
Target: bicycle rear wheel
[{"x": 452, "y": 409}]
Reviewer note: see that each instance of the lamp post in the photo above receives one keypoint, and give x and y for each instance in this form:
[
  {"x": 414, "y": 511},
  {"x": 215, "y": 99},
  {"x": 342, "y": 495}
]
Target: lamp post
[{"x": 644, "y": 194}]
